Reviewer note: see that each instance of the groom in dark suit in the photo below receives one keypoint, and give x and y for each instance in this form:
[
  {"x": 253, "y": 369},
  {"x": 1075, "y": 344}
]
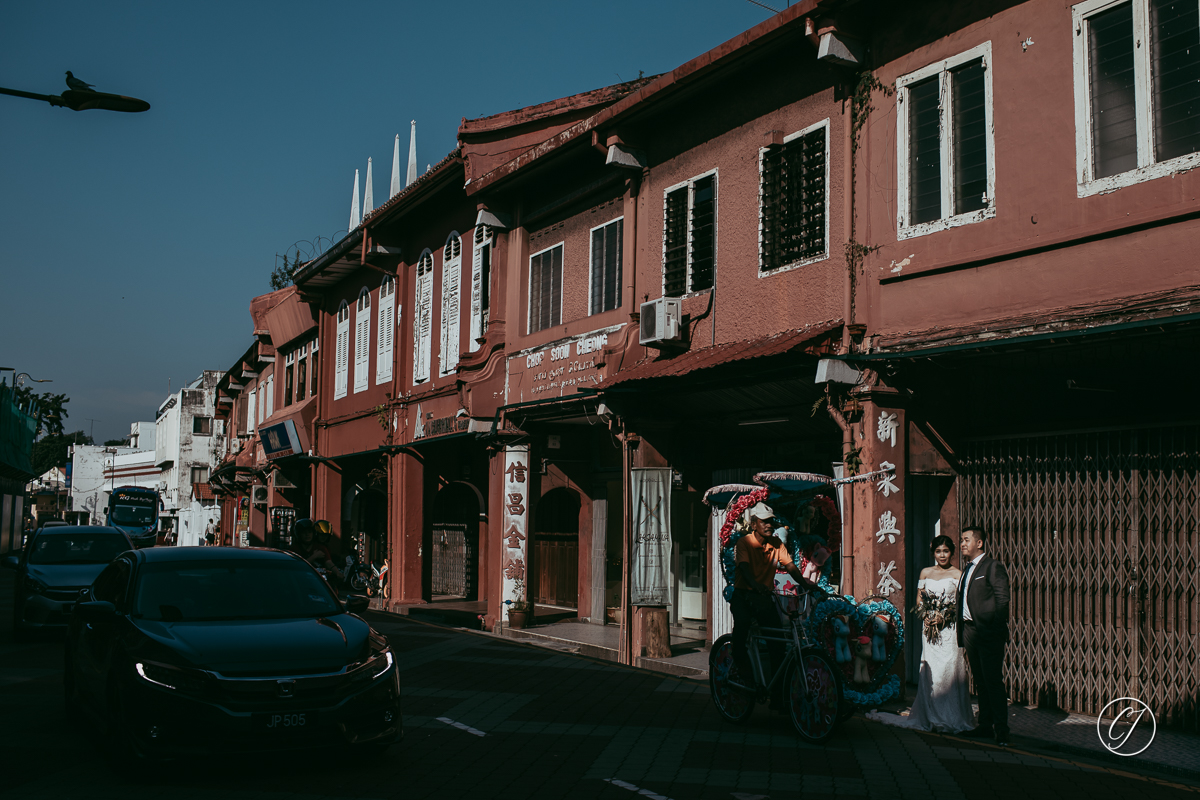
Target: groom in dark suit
[{"x": 983, "y": 631}]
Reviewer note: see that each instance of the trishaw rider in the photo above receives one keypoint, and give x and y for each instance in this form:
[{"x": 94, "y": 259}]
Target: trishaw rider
[{"x": 757, "y": 554}]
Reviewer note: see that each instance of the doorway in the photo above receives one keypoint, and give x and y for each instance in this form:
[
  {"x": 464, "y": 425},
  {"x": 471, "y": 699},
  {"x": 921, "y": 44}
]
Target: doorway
[
  {"x": 556, "y": 548},
  {"x": 454, "y": 543}
]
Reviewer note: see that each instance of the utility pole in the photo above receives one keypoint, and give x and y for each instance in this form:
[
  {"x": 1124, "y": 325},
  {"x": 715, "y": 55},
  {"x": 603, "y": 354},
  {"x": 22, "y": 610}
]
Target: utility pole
[{"x": 92, "y": 429}]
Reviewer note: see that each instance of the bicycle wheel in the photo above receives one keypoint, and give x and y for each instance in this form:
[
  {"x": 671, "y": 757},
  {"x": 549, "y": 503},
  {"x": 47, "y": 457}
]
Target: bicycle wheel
[
  {"x": 814, "y": 695},
  {"x": 736, "y": 705}
]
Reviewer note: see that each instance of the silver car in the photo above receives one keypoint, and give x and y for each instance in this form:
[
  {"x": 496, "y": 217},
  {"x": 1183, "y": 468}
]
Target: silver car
[{"x": 58, "y": 562}]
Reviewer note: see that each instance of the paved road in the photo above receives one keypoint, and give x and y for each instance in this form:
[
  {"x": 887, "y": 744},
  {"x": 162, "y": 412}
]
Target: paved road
[{"x": 491, "y": 718}]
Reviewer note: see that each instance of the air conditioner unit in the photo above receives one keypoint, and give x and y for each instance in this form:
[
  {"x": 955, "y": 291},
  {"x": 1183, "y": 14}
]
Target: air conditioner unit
[
  {"x": 661, "y": 322},
  {"x": 259, "y": 495}
]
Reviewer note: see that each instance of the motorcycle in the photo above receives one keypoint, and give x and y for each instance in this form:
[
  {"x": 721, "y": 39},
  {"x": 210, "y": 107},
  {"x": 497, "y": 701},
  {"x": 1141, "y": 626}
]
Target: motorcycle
[
  {"x": 378, "y": 580},
  {"x": 357, "y": 576}
]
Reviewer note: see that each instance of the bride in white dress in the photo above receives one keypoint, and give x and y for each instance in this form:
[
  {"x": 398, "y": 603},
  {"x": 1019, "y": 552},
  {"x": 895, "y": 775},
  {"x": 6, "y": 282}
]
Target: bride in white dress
[{"x": 943, "y": 701}]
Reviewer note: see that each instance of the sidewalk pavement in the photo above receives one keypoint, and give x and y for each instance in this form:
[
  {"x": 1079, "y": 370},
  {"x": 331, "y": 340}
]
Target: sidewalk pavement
[
  {"x": 1174, "y": 752},
  {"x": 689, "y": 657}
]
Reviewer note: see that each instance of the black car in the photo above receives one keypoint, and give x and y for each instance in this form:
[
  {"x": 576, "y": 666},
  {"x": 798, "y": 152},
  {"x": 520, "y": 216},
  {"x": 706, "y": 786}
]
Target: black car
[
  {"x": 185, "y": 649},
  {"x": 59, "y": 562}
]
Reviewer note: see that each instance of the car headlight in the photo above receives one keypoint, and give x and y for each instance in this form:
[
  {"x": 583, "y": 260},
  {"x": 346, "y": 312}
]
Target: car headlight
[
  {"x": 170, "y": 677},
  {"x": 380, "y": 664}
]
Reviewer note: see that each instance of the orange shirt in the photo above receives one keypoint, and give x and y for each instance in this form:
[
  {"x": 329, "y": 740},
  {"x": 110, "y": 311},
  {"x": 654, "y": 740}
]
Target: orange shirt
[{"x": 762, "y": 558}]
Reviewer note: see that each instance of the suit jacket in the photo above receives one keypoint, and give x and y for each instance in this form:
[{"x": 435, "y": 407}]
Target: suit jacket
[{"x": 988, "y": 598}]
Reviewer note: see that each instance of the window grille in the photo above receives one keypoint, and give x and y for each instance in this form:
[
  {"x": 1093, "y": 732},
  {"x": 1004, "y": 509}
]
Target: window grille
[
  {"x": 793, "y": 201},
  {"x": 545, "y": 289},
  {"x": 606, "y": 267},
  {"x": 690, "y": 236}
]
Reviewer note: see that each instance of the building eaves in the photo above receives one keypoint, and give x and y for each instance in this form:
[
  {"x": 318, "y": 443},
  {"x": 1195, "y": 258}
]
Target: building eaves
[
  {"x": 540, "y": 111},
  {"x": 811, "y": 338},
  {"x": 659, "y": 88}
]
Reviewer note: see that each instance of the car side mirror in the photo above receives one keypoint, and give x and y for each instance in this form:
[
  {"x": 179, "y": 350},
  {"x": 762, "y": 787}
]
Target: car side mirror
[
  {"x": 357, "y": 603},
  {"x": 12, "y": 562},
  {"x": 96, "y": 611}
]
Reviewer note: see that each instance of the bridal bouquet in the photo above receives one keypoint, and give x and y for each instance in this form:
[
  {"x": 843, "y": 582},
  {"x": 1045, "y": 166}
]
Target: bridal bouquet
[{"x": 936, "y": 612}]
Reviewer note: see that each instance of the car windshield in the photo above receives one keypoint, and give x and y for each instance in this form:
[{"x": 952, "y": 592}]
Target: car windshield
[
  {"x": 234, "y": 589},
  {"x": 131, "y": 514},
  {"x": 76, "y": 548}
]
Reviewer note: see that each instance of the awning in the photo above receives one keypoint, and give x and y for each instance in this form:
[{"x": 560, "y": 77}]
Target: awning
[{"x": 813, "y": 339}]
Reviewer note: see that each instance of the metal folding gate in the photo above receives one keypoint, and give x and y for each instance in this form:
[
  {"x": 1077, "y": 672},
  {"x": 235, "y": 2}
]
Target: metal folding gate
[
  {"x": 1098, "y": 530},
  {"x": 451, "y": 563}
]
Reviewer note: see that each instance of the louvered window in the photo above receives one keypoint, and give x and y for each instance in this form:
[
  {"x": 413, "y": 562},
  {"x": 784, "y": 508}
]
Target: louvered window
[
  {"x": 386, "y": 327},
  {"x": 690, "y": 236},
  {"x": 289, "y": 371},
  {"x": 362, "y": 340},
  {"x": 451, "y": 301},
  {"x": 341, "y": 369},
  {"x": 302, "y": 373},
  {"x": 269, "y": 397},
  {"x": 607, "y": 243},
  {"x": 794, "y": 204},
  {"x": 1140, "y": 105},
  {"x": 481, "y": 277},
  {"x": 946, "y": 144},
  {"x": 423, "y": 318},
  {"x": 545, "y": 289},
  {"x": 250, "y": 427}
]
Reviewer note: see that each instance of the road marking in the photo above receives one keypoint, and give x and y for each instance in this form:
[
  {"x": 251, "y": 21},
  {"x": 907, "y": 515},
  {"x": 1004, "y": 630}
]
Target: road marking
[
  {"x": 633, "y": 788},
  {"x": 460, "y": 726}
]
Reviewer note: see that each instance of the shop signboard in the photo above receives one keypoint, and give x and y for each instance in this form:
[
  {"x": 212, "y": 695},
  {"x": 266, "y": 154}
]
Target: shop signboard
[
  {"x": 516, "y": 522},
  {"x": 560, "y": 368},
  {"x": 280, "y": 439}
]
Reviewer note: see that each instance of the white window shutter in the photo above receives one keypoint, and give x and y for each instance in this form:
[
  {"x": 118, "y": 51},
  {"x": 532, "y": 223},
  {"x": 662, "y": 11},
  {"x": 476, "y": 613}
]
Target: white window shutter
[
  {"x": 483, "y": 238},
  {"x": 386, "y": 326},
  {"x": 270, "y": 398},
  {"x": 451, "y": 291},
  {"x": 342, "y": 358},
  {"x": 250, "y": 413},
  {"x": 423, "y": 321},
  {"x": 362, "y": 344}
]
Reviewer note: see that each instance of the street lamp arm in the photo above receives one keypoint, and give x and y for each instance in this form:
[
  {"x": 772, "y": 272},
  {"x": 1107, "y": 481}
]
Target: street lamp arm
[{"x": 83, "y": 100}]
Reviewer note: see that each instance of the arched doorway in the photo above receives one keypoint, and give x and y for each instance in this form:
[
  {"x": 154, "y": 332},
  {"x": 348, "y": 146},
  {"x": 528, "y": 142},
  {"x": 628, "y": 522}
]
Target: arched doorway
[
  {"x": 454, "y": 543},
  {"x": 556, "y": 548}
]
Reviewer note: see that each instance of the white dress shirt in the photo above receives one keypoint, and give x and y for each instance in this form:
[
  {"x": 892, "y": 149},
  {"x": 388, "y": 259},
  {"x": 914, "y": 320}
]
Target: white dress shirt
[{"x": 966, "y": 610}]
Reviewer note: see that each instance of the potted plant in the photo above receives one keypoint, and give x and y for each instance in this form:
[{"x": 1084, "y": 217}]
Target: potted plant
[{"x": 519, "y": 612}]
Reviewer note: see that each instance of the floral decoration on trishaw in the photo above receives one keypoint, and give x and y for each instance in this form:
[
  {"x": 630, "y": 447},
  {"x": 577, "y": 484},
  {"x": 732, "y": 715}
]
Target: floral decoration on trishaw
[{"x": 863, "y": 639}]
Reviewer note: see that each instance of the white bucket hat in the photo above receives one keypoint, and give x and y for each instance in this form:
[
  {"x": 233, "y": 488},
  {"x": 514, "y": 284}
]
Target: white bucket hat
[{"x": 760, "y": 510}]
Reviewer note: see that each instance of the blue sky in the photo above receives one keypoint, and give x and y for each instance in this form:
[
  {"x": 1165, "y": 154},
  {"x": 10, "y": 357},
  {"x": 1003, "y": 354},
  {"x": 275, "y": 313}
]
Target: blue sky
[{"x": 132, "y": 243}]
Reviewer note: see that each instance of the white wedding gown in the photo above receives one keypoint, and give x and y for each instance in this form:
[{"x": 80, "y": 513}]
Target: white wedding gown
[{"x": 943, "y": 701}]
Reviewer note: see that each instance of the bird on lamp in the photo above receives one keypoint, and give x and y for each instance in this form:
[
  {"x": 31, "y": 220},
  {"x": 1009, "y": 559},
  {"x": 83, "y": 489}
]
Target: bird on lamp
[{"x": 78, "y": 85}]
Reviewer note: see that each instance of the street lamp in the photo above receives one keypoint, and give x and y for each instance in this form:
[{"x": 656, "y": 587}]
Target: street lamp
[{"x": 78, "y": 99}]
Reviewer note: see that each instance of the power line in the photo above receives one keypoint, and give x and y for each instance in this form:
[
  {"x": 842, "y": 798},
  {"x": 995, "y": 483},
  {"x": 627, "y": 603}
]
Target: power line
[{"x": 764, "y": 5}]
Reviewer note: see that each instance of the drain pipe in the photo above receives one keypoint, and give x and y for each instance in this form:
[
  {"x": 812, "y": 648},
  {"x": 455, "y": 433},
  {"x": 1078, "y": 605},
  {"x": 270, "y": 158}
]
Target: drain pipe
[{"x": 847, "y": 586}]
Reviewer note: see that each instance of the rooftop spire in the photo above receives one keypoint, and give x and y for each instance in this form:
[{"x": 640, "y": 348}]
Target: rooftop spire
[
  {"x": 412, "y": 155},
  {"x": 395, "y": 169},
  {"x": 355, "y": 217},
  {"x": 369, "y": 192}
]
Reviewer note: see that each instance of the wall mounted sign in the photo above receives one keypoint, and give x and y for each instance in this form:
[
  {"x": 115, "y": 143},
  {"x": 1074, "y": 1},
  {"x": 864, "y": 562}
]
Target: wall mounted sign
[
  {"x": 280, "y": 439},
  {"x": 515, "y": 528}
]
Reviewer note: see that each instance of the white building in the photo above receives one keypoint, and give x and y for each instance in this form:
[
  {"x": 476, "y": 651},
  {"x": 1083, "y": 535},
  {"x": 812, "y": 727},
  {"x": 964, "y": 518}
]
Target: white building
[
  {"x": 95, "y": 471},
  {"x": 188, "y": 444}
]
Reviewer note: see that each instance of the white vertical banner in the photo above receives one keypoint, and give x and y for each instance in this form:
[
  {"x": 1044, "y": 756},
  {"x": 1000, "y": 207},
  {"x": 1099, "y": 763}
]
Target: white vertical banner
[
  {"x": 515, "y": 532},
  {"x": 650, "y": 568}
]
